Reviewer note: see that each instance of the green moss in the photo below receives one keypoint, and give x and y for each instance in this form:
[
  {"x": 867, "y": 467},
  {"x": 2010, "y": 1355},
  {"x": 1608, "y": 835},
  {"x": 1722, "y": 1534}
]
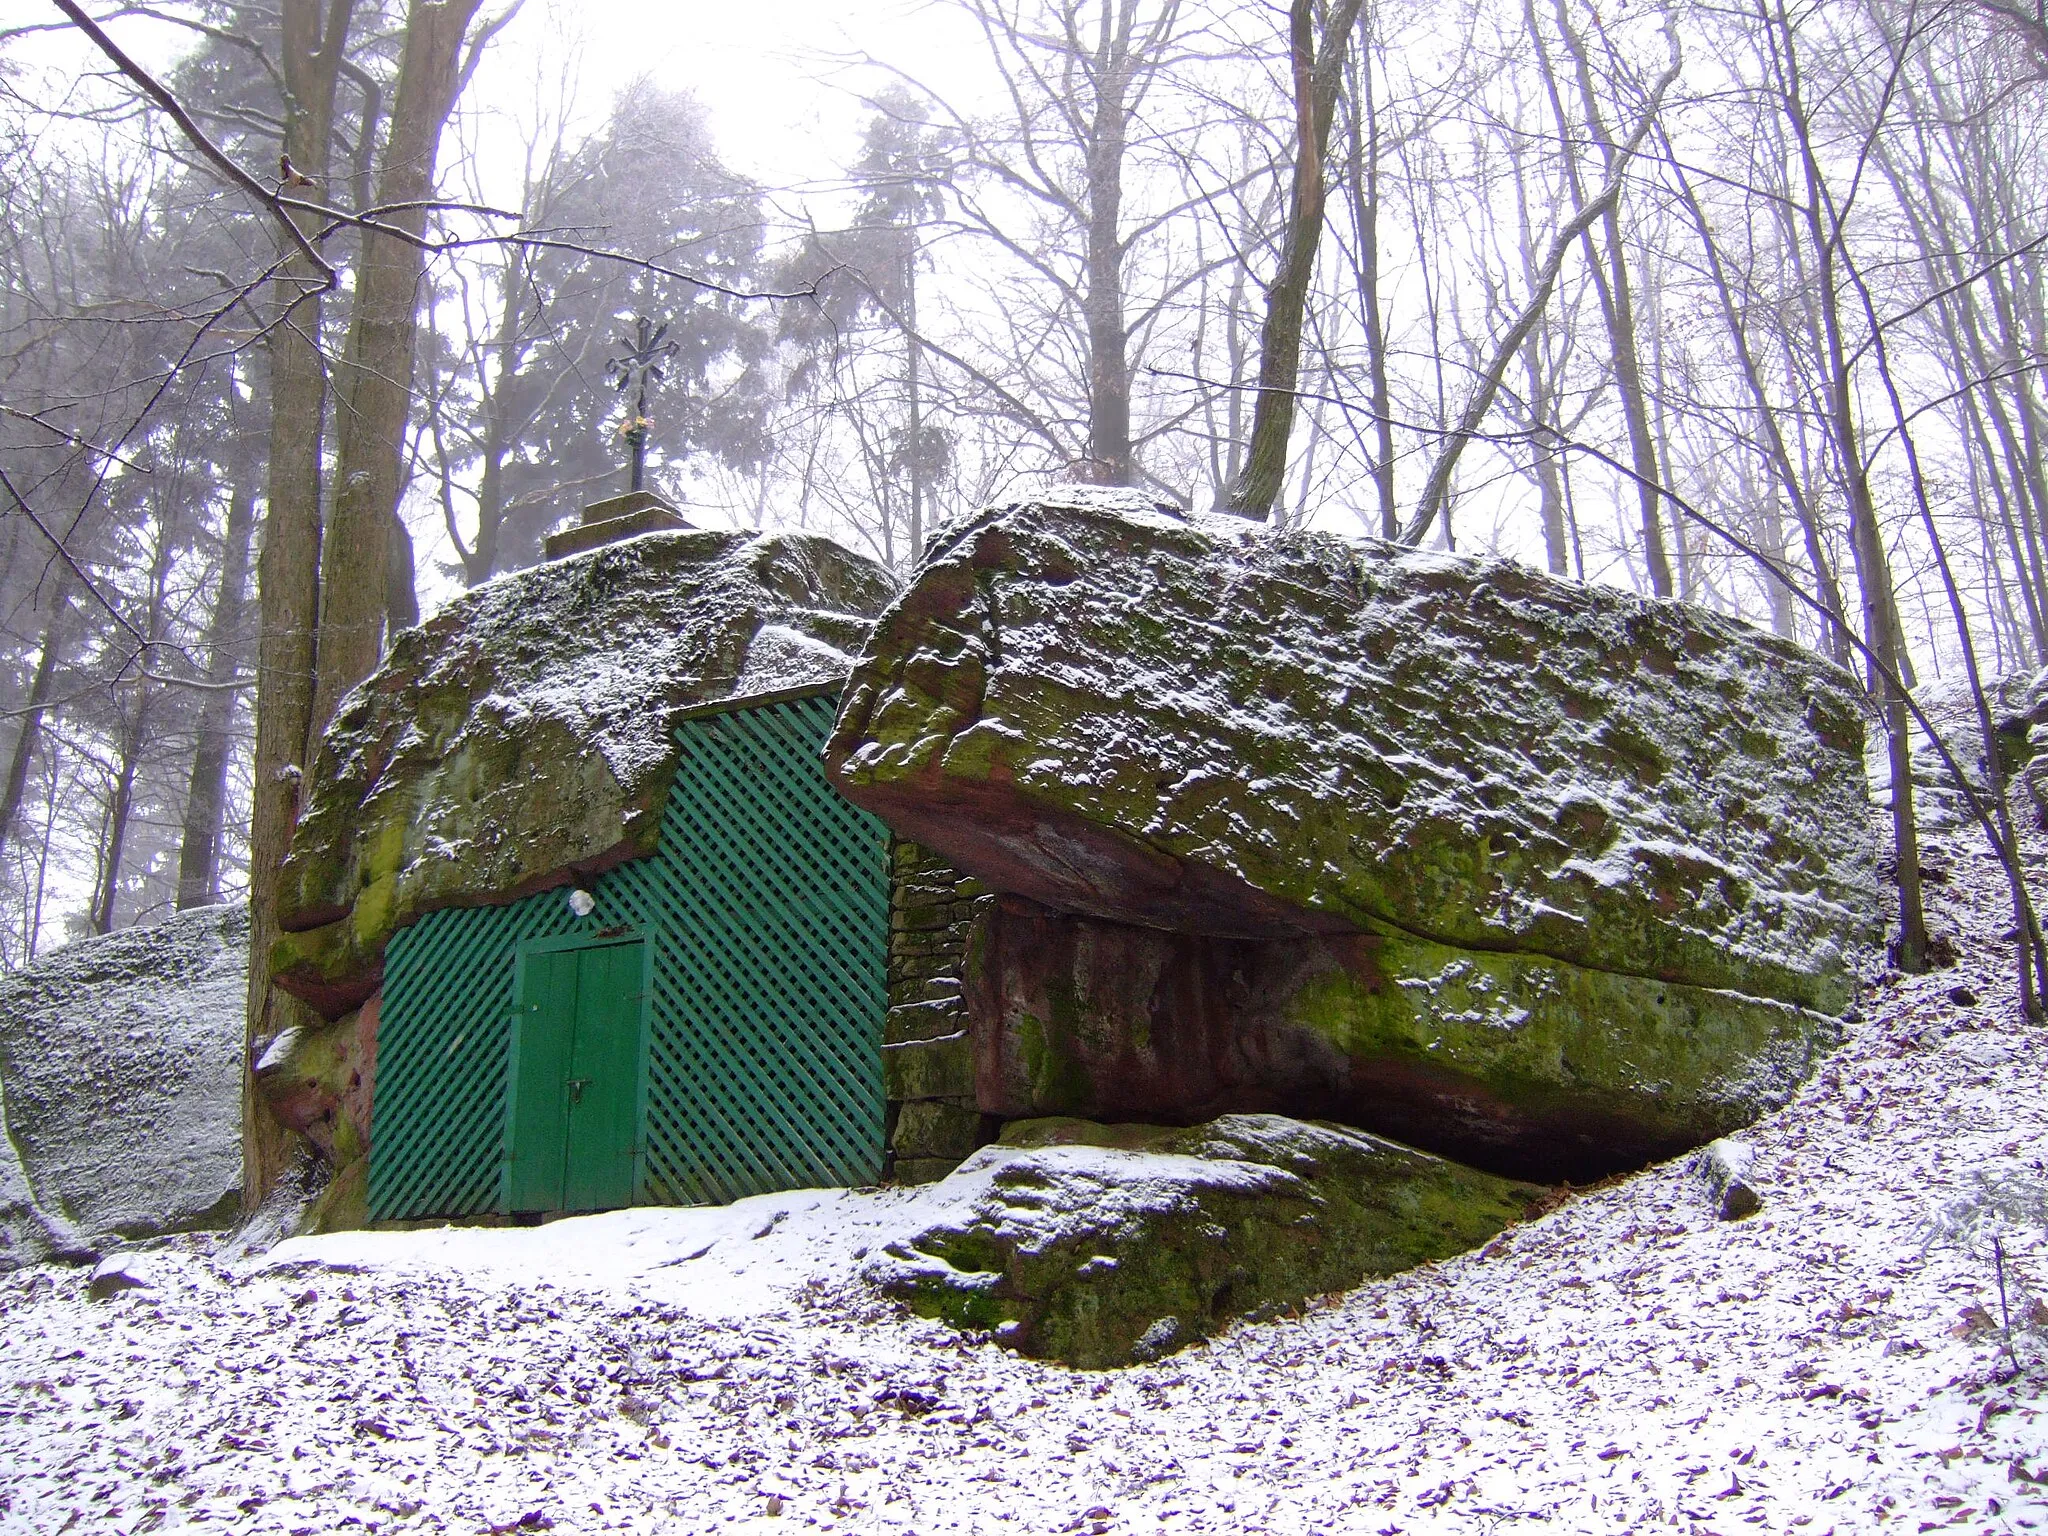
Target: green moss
[
  {"x": 1458, "y": 748},
  {"x": 1536, "y": 1032},
  {"x": 323, "y": 956},
  {"x": 343, "y": 1206},
  {"x": 376, "y": 907},
  {"x": 929, "y": 1069},
  {"x": 1057, "y": 1072},
  {"x": 1070, "y": 1260}
]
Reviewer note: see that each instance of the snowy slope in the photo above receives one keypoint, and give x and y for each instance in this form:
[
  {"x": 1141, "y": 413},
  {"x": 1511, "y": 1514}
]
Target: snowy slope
[{"x": 1626, "y": 1362}]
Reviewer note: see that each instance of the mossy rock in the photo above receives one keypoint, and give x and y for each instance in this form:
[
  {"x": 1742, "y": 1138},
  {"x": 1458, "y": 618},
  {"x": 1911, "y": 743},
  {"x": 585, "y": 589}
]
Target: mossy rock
[
  {"x": 1104, "y": 1245},
  {"x": 1198, "y": 724},
  {"x": 524, "y": 736},
  {"x": 1519, "y": 1064}
]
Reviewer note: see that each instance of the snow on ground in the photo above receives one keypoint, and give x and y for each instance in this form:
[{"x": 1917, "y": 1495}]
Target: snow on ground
[{"x": 1625, "y": 1363}]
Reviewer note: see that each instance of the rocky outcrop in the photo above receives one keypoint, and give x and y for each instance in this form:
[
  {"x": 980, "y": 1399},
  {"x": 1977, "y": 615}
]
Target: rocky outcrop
[
  {"x": 1099, "y": 1245},
  {"x": 1516, "y": 1062},
  {"x": 525, "y": 735},
  {"x": 319, "y": 1078},
  {"x": 120, "y": 1086},
  {"x": 1538, "y": 865}
]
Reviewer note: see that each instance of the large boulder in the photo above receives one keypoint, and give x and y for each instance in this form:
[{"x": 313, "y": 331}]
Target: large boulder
[
  {"x": 121, "y": 1083},
  {"x": 1592, "y": 845},
  {"x": 525, "y": 735},
  {"x": 1098, "y": 1245}
]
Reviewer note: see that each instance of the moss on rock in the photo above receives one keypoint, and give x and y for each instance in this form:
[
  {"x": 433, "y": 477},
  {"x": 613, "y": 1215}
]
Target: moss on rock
[
  {"x": 1516, "y": 1063},
  {"x": 1101, "y": 1245},
  {"x": 525, "y": 735},
  {"x": 1202, "y": 725}
]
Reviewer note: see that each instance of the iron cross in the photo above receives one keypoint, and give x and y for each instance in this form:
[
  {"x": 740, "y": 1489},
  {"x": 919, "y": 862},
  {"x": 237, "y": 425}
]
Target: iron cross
[{"x": 644, "y": 363}]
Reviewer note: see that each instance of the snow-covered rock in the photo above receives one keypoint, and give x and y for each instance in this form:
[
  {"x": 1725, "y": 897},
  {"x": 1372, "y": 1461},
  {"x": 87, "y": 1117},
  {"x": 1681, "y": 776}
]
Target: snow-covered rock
[
  {"x": 1625, "y": 1362},
  {"x": 1203, "y": 725},
  {"x": 1098, "y": 1245},
  {"x": 1558, "y": 864},
  {"x": 120, "y": 1083},
  {"x": 525, "y": 735},
  {"x": 1725, "y": 1168}
]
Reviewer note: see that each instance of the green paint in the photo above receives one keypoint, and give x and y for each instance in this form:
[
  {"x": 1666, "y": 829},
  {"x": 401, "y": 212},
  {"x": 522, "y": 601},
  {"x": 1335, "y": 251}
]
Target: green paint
[
  {"x": 573, "y": 1117},
  {"x": 765, "y": 917}
]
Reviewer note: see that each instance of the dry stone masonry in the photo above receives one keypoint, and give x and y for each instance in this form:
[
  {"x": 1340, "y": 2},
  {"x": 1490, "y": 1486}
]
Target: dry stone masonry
[{"x": 927, "y": 1055}]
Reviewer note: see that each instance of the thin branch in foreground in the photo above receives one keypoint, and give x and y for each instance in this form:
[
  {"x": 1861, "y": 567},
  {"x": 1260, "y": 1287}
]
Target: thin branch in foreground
[{"x": 161, "y": 94}]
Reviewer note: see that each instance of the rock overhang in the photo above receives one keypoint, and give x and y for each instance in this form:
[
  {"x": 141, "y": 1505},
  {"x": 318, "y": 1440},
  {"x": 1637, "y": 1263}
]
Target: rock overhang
[
  {"x": 1201, "y": 725},
  {"x": 523, "y": 737},
  {"x": 1552, "y": 879}
]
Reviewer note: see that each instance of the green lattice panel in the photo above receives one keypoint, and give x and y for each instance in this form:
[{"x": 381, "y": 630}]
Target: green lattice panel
[{"x": 767, "y": 906}]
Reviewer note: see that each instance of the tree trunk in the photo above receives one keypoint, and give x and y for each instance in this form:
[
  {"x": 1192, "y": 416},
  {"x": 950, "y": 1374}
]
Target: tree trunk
[
  {"x": 356, "y": 560},
  {"x": 120, "y": 808},
  {"x": 287, "y": 571},
  {"x": 1866, "y": 538},
  {"x": 1617, "y": 300},
  {"x": 1790, "y": 481},
  {"x": 1109, "y": 373},
  {"x": 37, "y": 703},
  {"x": 914, "y": 392},
  {"x": 1317, "y": 74},
  {"x": 206, "y": 785},
  {"x": 1365, "y": 214}
]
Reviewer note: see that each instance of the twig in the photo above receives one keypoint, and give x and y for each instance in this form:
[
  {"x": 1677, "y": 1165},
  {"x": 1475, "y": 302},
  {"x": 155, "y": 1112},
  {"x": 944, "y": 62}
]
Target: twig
[
  {"x": 73, "y": 438},
  {"x": 157, "y": 92}
]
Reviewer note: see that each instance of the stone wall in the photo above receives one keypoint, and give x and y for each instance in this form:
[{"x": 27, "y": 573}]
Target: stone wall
[{"x": 927, "y": 1055}]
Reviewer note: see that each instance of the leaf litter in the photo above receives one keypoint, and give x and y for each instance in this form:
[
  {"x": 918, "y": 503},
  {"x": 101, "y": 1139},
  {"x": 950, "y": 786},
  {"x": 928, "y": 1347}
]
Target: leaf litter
[{"x": 1842, "y": 1361}]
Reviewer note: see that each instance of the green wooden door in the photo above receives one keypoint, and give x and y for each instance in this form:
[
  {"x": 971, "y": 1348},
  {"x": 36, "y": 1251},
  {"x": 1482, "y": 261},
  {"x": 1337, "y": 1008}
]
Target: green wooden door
[{"x": 574, "y": 1116}]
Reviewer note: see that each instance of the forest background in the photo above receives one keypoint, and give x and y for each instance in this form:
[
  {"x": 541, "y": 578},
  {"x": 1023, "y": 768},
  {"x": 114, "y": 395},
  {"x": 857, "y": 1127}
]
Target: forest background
[{"x": 306, "y": 309}]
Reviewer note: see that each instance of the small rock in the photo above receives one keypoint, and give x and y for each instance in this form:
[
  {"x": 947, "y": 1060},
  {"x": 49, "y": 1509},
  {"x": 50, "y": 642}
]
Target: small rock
[
  {"x": 1978, "y": 1051},
  {"x": 1962, "y": 997},
  {"x": 1724, "y": 1167},
  {"x": 1157, "y": 1340},
  {"x": 122, "y": 1272}
]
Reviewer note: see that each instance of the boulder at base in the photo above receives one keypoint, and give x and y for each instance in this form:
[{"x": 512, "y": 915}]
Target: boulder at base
[
  {"x": 1595, "y": 861},
  {"x": 121, "y": 1083},
  {"x": 524, "y": 736},
  {"x": 1100, "y": 1245}
]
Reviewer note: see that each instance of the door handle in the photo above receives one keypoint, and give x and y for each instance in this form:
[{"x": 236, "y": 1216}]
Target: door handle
[{"x": 576, "y": 1087}]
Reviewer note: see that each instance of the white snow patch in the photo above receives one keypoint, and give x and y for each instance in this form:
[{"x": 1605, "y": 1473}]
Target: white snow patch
[{"x": 1836, "y": 1363}]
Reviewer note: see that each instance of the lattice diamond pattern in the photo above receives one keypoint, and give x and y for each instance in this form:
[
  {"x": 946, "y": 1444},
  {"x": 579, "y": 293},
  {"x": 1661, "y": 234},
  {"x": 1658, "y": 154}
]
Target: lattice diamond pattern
[{"x": 767, "y": 906}]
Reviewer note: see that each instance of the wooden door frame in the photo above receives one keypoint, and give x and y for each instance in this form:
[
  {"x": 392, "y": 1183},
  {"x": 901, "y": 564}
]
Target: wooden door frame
[{"x": 634, "y": 933}]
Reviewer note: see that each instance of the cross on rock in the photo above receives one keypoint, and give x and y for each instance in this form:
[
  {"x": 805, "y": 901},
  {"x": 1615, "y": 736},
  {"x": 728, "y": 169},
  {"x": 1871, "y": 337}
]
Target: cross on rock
[{"x": 643, "y": 364}]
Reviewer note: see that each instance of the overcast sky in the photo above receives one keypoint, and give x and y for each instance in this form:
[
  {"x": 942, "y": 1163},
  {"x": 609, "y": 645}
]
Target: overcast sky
[{"x": 756, "y": 64}]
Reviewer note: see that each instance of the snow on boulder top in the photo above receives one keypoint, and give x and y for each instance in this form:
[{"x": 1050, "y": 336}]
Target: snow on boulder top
[
  {"x": 121, "y": 1060},
  {"x": 525, "y": 735},
  {"x": 1191, "y": 722}
]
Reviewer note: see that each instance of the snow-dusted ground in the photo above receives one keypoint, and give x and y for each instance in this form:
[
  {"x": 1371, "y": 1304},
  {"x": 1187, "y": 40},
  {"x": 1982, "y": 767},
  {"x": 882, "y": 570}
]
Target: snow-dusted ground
[{"x": 1625, "y": 1363}]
